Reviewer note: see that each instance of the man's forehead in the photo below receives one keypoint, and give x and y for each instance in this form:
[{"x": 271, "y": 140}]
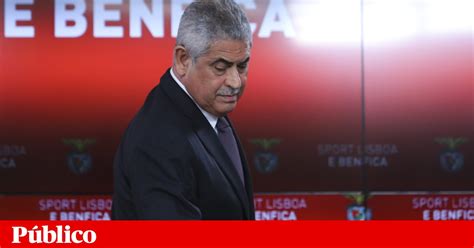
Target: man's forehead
[
  {"x": 222, "y": 57},
  {"x": 229, "y": 50}
]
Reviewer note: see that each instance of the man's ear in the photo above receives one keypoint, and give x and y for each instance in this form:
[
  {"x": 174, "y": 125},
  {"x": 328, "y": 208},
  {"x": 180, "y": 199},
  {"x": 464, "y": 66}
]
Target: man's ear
[{"x": 182, "y": 60}]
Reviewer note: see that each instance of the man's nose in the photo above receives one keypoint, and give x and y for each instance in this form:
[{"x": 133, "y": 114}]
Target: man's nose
[{"x": 233, "y": 78}]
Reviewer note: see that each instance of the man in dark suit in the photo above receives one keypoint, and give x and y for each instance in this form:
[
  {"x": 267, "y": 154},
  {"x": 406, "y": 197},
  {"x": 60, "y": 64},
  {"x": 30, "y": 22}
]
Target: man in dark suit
[{"x": 180, "y": 157}]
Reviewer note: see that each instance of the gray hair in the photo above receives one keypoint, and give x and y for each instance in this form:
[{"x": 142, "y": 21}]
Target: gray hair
[{"x": 206, "y": 21}]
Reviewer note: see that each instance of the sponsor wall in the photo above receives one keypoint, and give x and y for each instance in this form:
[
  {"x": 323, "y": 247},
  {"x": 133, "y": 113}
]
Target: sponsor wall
[{"x": 73, "y": 74}]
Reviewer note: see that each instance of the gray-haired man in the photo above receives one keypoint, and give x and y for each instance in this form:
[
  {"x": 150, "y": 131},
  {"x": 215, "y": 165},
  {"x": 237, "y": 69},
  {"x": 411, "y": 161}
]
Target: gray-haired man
[{"x": 180, "y": 157}]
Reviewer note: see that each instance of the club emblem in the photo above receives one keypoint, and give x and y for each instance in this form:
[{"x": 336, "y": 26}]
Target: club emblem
[
  {"x": 265, "y": 161},
  {"x": 356, "y": 210},
  {"x": 451, "y": 159},
  {"x": 79, "y": 160}
]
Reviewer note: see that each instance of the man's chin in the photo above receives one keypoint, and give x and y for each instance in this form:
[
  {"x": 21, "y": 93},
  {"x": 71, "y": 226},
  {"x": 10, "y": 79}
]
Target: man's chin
[{"x": 226, "y": 108}]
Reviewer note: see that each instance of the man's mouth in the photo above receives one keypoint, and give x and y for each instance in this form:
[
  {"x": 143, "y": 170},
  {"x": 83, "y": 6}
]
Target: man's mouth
[{"x": 229, "y": 98}]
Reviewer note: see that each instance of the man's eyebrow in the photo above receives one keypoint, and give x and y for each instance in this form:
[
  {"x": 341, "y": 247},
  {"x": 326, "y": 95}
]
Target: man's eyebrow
[
  {"x": 221, "y": 60},
  {"x": 228, "y": 63},
  {"x": 245, "y": 61}
]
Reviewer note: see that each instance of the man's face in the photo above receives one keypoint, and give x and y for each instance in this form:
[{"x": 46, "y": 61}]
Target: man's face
[{"x": 216, "y": 80}]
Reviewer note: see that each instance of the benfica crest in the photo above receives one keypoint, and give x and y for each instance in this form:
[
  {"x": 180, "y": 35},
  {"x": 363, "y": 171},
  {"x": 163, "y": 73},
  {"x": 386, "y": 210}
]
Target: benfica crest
[
  {"x": 356, "y": 210},
  {"x": 265, "y": 161},
  {"x": 451, "y": 159},
  {"x": 79, "y": 160}
]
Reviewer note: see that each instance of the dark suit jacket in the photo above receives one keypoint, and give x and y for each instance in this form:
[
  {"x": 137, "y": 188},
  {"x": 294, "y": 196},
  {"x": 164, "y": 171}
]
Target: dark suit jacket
[{"x": 171, "y": 164}]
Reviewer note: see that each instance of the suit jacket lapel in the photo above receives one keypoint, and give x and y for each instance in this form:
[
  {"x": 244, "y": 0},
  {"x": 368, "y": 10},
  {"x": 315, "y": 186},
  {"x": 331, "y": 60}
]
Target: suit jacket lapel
[
  {"x": 208, "y": 137},
  {"x": 247, "y": 178},
  {"x": 213, "y": 145}
]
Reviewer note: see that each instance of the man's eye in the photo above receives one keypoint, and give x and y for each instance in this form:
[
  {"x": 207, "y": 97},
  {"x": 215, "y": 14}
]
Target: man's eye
[
  {"x": 242, "y": 67},
  {"x": 221, "y": 69}
]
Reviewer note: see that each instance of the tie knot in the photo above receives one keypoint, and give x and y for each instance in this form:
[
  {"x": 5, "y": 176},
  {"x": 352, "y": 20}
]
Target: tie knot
[{"x": 222, "y": 124}]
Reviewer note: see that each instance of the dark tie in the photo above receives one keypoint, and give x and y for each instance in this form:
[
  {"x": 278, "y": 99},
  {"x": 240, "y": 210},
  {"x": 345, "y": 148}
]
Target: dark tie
[{"x": 226, "y": 136}]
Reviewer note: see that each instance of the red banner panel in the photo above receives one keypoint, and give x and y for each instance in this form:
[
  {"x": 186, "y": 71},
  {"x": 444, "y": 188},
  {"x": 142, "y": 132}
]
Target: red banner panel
[
  {"x": 351, "y": 207},
  {"x": 282, "y": 207},
  {"x": 54, "y": 207}
]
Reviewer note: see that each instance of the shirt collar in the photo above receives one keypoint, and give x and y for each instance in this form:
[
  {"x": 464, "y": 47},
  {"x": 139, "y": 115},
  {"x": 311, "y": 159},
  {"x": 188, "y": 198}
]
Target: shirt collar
[{"x": 210, "y": 117}]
